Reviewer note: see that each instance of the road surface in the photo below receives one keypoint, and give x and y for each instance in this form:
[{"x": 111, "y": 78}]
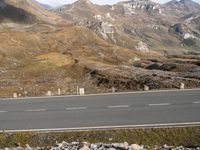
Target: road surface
[{"x": 101, "y": 111}]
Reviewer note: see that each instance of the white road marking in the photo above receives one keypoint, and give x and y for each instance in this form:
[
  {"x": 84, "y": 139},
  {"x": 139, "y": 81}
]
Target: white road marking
[
  {"x": 119, "y": 106},
  {"x": 3, "y": 111},
  {"x": 196, "y": 102},
  {"x": 106, "y": 127},
  {"x": 101, "y": 94},
  {"x": 76, "y": 108},
  {"x": 161, "y": 104},
  {"x": 35, "y": 110}
]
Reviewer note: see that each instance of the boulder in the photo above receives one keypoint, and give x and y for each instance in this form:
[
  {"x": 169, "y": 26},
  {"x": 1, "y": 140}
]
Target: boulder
[
  {"x": 135, "y": 147},
  {"x": 84, "y": 148},
  {"x": 28, "y": 147},
  {"x": 122, "y": 146},
  {"x": 94, "y": 146}
]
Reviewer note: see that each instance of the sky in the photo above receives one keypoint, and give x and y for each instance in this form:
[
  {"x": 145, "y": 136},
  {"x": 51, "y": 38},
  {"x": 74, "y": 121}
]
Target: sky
[{"x": 56, "y": 3}]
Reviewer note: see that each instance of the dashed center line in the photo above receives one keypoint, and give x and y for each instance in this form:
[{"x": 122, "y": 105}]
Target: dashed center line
[
  {"x": 83, "y": 108},
  {"x": 35, "y": 110},
  {"x": 196, "y": 102},
  {"x": 76, "y": 108},
  {"x": 161, "y": 104},
  {"x": 119, "y": 106},
  {"x": 3, "y": 111}
]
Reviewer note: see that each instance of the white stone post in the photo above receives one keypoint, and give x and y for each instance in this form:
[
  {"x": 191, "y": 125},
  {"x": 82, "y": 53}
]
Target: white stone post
[
  {"x": 81, "y": 91},
  {"x": 182, "y": 86},
  {"x": 146, "y": 88},
  {"x": 49, "y": 93},
  {"x": 77, "y": 90},
  {"x": 59, "y": 91},
  {"x": 113, "y": 89},
  {"x": 15, "y": 95}
]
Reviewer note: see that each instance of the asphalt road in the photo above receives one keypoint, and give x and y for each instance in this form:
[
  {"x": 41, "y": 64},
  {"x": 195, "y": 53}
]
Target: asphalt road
[{"x": 101, "y": 111}]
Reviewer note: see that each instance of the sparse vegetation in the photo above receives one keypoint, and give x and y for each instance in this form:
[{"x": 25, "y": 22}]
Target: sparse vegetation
[
  {"x": 186, "y": 136},
  {"x": 42, "y": 52}
]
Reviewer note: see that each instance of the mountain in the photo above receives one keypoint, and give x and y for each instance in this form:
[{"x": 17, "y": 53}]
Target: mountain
[
  {"x": 81, "y": 9},
  {"x": 130, "y": 23},
  {"x": 45, "y": 6},
  {"x": 192, "y": 19},
  {"x": 26, "y": 11},
  {"x": 148, "y": 6},
  {"x": 181, "y": 8},
  {"x": 95, "y": 47},
  {"x": 40, "y": 50}
]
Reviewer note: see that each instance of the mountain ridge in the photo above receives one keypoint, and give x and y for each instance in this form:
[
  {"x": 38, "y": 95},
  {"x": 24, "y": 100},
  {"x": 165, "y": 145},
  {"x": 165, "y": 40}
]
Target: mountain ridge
[
  {"x": 150, "y": 16},
  {"x": 46, "y": 6}
]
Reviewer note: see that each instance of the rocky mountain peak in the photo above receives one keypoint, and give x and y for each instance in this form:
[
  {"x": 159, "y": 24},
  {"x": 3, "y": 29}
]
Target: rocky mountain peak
[
  {"x": 186, "y": 1},
  {"x": 144, "y": 5},
  {"x": 181, "y": 8},
  {"x": 84, "y": 2},
  {"x": 184, "y": 5},
  {"x": 45, "y": 6}
]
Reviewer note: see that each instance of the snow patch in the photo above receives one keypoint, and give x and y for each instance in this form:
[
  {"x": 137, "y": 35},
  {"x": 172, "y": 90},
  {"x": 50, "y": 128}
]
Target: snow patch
[{"x": 188, "y": 36}]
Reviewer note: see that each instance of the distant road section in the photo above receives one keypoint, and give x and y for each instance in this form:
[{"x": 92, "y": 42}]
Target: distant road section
[{"x": 101, "y": 111}]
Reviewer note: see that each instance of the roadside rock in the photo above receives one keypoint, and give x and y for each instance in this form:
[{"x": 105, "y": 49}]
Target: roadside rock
[
  {"x": 135, "y": 147},
  {"x": 102, "y": 146},
  {"x": 84, "y": 148},
  {"x": 122, "y": 146},
  {"x": 28, "y": 147}
]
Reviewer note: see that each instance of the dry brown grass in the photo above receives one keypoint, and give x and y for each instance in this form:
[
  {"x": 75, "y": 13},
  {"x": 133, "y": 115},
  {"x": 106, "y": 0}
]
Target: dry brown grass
[
  {"x": 42, "y": 54},
  {"x": 56, "y": 59}
]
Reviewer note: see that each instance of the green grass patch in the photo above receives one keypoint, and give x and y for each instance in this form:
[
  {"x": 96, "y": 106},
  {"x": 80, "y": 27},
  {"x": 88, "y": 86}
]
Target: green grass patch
[{"x": 38, "y": 68}]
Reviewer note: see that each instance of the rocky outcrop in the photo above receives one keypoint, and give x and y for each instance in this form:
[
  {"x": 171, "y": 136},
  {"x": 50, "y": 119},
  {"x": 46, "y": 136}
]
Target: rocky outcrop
[
  {"x": 179, "y": 30},
  {"x": 142, "y": 5},
  {"x": 142, "y": 47},
  {"x": 126, "y": 78},
  {"x": 185, "y": 34},
  {"x": 101, "y": 146}
]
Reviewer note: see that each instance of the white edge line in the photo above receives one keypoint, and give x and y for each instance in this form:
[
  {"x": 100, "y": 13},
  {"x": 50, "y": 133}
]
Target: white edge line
[
  {"x": 196, "y": 102},
  {"x": 101, "y": 94},
  {"x": 103, "y": 127},
  {"x": 119, "y": 106},
  {"x": 35, "y": 110},
  {"x": 161, "y": 104},
  {"x": 76, "y": 108}
]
